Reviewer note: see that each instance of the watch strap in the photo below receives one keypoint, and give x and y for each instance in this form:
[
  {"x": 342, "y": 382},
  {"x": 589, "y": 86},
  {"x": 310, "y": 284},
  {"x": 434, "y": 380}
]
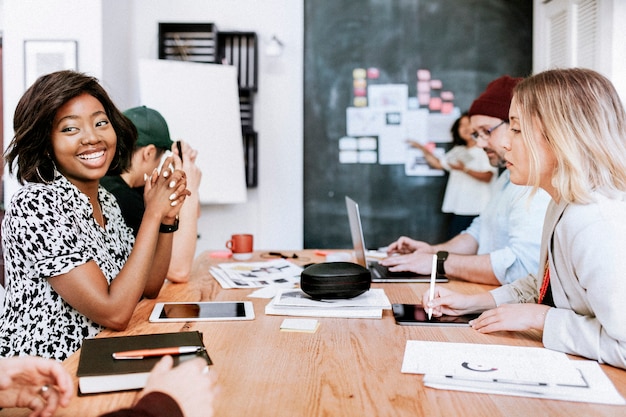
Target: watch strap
[
  {"x": 441, "y": 259},
  {"x": 169, "y": 228}
]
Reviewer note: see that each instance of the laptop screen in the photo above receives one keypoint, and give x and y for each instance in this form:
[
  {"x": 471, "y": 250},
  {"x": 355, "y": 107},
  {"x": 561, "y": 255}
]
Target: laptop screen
[{"x": 356, "y": 230}]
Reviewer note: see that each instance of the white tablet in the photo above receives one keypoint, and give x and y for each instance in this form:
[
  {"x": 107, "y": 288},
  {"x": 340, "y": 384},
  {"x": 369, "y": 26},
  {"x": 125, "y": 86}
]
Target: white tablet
[{"x": 202, "y": 311}]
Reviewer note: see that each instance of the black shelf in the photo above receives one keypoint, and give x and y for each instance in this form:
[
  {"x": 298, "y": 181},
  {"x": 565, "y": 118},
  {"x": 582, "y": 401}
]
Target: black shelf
[
  {"x": 251, "y": 158},
  {"x": 240, "y": 49},
  {"x": 195, "y": 42},
  {"x": 246, "y": 109}
]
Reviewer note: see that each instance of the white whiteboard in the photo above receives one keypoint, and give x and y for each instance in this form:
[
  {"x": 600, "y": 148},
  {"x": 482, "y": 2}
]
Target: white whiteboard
[{"x": 200, "y": 103}]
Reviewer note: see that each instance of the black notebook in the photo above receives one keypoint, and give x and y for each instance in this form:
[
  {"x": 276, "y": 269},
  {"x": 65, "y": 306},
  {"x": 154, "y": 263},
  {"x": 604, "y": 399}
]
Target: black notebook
[{"x": 99, "y": 372}]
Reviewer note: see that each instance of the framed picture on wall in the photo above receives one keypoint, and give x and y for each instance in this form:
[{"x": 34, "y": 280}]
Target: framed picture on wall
[{"x": 45, "y": 56}]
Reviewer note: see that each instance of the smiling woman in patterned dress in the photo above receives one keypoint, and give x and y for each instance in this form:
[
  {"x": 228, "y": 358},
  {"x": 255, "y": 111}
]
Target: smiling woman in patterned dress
[{"x": 71, "y": 268}]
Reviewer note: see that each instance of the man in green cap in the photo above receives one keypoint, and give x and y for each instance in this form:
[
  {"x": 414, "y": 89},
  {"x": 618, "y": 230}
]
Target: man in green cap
[{"x": 153, "y": 141}]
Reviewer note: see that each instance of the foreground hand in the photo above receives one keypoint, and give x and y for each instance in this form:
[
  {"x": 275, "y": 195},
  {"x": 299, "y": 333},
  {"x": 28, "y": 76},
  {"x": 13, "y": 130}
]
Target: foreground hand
[
  {"x": 189, "y": 384},
  {"x": 406, "y": 245},
  {"x": 452, "y": 303},
  {"x": 516, "y": 317},
  {"x": 22, "y": 379}
]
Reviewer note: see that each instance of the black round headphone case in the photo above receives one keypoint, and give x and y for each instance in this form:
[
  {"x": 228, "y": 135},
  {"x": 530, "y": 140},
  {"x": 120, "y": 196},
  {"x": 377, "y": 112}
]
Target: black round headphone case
[{"x": 335, "y": 280}]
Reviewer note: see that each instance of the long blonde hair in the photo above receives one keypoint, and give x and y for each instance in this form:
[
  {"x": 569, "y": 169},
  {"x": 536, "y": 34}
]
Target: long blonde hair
[{"x": 583, "y": 121}]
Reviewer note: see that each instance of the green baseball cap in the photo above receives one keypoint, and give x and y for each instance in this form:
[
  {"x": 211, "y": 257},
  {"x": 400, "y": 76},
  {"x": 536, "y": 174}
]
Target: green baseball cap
[{"x": 151, "y": 127}]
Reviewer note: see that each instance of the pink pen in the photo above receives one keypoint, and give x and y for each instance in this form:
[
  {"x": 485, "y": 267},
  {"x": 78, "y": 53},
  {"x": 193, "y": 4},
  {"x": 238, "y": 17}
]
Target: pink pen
[{"x": 144, "y": 353}]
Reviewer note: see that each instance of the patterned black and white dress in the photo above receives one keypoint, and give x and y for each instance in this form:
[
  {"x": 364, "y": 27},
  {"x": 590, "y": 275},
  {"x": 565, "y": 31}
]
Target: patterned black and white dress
[{"x": 47, "y": 231}]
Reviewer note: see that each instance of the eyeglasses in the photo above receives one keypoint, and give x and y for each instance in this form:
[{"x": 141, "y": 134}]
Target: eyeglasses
[{"x": 485, "y": 134}]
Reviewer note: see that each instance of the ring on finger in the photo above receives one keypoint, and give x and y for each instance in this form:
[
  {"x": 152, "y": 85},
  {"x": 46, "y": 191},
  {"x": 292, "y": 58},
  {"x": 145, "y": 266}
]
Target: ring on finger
[{"x": 43, "y": 389}]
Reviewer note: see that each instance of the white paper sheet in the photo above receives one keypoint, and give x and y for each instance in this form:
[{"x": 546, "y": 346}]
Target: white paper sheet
[
  {"x": 472, "y": 361},
  {"x": 600, "y": 389},
  {"x": 200, "y": 103},
  {"x": 509, "y": 370},
  {"x": 296, "y": 303}
]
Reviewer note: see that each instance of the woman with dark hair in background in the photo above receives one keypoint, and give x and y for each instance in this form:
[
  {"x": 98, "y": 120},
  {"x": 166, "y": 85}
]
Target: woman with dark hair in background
[{"x": 470, "y": 176}]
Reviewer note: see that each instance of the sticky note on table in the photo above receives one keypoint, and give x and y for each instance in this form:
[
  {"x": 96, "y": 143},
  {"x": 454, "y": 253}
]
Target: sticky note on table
[{"x": 299, "y": 325}]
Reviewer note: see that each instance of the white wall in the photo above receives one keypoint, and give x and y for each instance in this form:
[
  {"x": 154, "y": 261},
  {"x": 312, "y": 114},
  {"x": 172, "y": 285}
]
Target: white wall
[
  {"x": 44, "y": 20},
  {"x": 113, "y": 36}
]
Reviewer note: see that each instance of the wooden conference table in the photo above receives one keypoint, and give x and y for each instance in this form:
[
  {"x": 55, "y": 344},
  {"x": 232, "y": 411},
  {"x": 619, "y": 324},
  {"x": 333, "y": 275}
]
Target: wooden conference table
[{"x": 349, "y": 367}]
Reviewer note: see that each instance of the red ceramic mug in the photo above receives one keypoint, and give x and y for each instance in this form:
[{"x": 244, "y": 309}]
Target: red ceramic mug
[{"x": 241, "y": 246}]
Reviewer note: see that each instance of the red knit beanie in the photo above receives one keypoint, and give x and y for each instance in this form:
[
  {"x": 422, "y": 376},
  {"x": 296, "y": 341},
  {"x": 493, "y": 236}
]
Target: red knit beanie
[{"x": 496, "y": 99}]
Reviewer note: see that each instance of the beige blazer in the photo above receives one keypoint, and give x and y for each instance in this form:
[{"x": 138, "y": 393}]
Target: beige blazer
[{"x": 586, "y": 249}]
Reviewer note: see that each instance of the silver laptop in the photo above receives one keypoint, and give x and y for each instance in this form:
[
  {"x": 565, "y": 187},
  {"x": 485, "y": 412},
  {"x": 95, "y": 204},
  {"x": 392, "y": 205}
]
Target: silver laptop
[{"x": 380, "y": 273}]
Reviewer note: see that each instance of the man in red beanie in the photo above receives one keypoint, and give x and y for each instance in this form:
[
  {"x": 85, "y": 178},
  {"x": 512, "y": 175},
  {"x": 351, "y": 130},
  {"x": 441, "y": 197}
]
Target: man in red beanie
[
  {"x": 490, "y": 112},
  {"x": 502, "y": 244}
]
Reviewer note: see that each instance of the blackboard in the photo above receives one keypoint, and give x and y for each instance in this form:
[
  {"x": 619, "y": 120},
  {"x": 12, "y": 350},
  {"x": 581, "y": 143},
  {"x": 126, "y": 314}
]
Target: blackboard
[{"x": 464, "y": 43}]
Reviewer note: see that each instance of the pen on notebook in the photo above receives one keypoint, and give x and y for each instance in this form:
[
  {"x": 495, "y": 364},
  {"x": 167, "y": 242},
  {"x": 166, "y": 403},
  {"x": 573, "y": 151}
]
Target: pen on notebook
[
  {"x": 431, "y": 294},
  {"x": 144, "y": 353}
]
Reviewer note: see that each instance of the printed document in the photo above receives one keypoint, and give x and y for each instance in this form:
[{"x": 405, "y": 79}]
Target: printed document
[{"x": 510, "y": 370}]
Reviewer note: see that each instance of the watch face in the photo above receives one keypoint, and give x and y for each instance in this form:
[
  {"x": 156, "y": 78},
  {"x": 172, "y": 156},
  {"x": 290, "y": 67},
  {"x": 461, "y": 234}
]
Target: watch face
[{"x": 442, "y": 255}]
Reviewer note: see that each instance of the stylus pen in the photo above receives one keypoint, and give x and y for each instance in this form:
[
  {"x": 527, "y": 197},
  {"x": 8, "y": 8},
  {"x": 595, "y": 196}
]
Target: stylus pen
[
  {"x": 431, "y": 294},
  {"x": 144, "y": 353}
]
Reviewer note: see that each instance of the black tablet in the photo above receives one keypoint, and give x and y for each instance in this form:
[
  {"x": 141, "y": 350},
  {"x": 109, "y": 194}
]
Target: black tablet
[{"x": 414, "y": 315}]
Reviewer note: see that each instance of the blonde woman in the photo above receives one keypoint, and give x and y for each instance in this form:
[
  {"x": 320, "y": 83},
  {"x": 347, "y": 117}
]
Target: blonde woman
[{"x": 568, "y": 137}]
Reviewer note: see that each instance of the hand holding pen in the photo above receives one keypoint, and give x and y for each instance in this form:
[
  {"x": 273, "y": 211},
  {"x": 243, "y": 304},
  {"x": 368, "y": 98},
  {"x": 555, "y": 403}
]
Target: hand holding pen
[
  {"x": 451, "y": 303},
  {"x": 187, "y": 156},
  {"x": 184, "y": 152}
]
